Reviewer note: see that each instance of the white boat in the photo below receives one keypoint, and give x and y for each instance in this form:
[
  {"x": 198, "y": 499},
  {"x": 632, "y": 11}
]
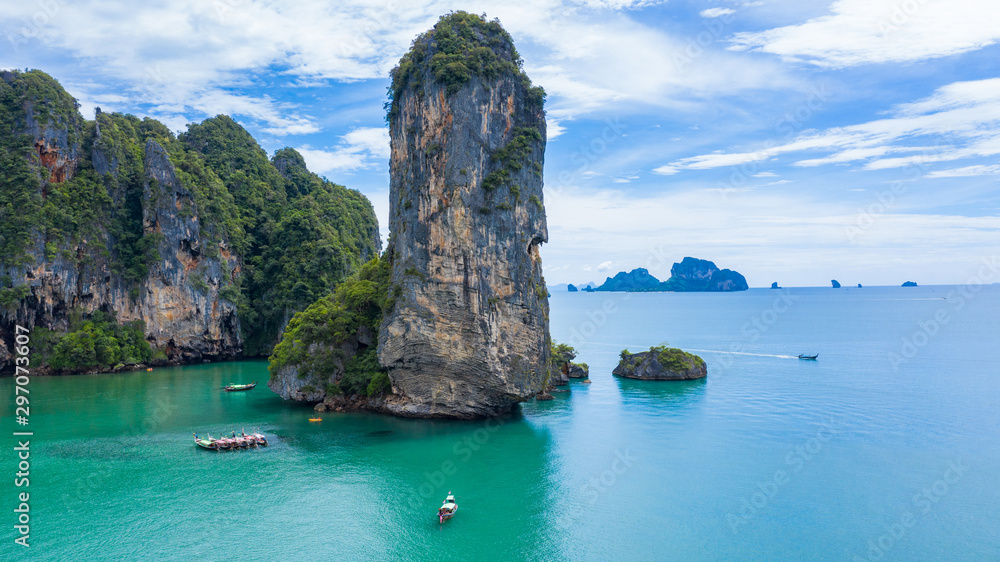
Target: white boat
[{"x": 447, "y": 509}]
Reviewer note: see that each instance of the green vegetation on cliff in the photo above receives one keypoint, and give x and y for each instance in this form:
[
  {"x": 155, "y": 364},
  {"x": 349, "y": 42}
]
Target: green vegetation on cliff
[
  {"x": 512, "y": 158},
  {"x": 459, "y": 47},
  {"x": 300, "y": 234},
  {"x": 560, "y": 354},
  {"x": 21, "y": 199},
  {"x": 289, "y": 235},
  {"x": 314, "y": 340},
  {"x": 95, "y": 343}
]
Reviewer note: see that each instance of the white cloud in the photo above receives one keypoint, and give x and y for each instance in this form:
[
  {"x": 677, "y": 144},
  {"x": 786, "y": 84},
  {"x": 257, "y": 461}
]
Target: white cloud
[
  {"x": 716, "y": 12},
  {"x": 553, "y": 129},
  {"x": 364, "y": 147},
  {"x": 881, "y": 31},
  {"x": 765, "y": 175},
  {"x": 665, "y": 170},
  {"x": 191, "y": 53},
  {"x": 960, "y": 117},
  {"x": 326, "y": 161},
  {"x": 374, "y": 140},
  {"x": 605, "y": 266},
  {"x": 966, "y": 171}
]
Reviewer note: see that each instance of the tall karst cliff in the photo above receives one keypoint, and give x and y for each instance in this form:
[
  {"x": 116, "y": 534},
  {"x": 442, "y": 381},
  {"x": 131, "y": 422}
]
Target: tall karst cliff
[
  {"x": 452, "y": 320},
  {"x": 118, "y": 215},
  {"x": 469, "y": 333}
]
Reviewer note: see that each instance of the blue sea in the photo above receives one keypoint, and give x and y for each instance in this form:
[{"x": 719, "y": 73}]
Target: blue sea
[{"x": 885, "y": 448}]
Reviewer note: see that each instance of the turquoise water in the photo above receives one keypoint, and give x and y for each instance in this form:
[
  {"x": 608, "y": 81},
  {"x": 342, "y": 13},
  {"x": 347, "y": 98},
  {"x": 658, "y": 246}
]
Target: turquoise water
[{"x": 881, "y": 449}]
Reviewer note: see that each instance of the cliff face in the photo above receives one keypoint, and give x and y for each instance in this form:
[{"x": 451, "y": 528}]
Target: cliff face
[
  {"x": 468, "y": 335},
  {"x": 200, "y": 237},
  {"x": 178, "y": 300}
]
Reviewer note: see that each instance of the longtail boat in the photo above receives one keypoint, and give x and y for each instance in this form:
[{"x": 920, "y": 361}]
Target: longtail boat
[
  {"x": 809, "y": 357},
  {"x": 238, "y": 387},
  {"x": 447, "y": 509},
  {"x": 236, "y": 441},
  {"x": 259, "y": 438},
  {"x": 209, "y": 443}
]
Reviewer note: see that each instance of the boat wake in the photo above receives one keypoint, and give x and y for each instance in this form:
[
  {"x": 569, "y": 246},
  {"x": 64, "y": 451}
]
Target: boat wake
[{"x": 743, "y": 353}]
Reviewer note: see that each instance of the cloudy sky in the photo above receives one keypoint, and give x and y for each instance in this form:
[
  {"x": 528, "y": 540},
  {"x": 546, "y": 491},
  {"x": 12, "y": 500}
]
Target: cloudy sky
[{"x": 794, "y": 141}]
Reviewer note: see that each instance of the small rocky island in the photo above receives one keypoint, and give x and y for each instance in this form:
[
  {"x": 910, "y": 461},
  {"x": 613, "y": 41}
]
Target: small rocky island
[
  {"x": 660, "y": 363},
  {"x": 909, "y": 284},
  {"x": 562, "y": 366},
  {"x": 690, "y": 275}
]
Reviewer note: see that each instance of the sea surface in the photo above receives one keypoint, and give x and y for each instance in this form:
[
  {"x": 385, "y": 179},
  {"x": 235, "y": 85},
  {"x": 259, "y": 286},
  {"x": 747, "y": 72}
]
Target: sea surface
[{"x": 885, "y": 448}]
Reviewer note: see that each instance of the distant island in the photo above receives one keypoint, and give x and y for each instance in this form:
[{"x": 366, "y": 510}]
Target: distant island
[
  {"x": 909, "y": 284},
  {"x": 835, "y": 283},
  {"x": 775, "y": 285},
  {"x": 690, "y": 275}
]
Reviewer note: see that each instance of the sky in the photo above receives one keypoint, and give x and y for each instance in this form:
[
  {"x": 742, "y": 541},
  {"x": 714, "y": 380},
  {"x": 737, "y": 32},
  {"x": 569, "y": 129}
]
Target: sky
[{"x": 790, "y": 140}]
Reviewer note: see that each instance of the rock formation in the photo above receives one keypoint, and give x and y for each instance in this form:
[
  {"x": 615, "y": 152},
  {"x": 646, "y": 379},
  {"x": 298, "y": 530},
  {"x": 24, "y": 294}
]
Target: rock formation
[
  {"x": 572, "y": 288},
  {"x": 835, "y": 283},
  {"x": 909, "y": 284},
  {"x": 689, "y": 275},
  {"x": 636, "y": 280},
  {"x": 660, "y": 363},
  {"x": 562, "y": 366},
  {"x": 693, "y": 274},
  {"x": 187, "y": 320},
  {"x": 120, "y": 216},
  {"x": 775, "y": 285},
  {"x": 468, "y": 335}
]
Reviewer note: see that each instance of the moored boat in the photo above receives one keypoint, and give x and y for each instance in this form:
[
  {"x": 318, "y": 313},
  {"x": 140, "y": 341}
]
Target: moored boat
[
  {"x": 447, "y": 509},
  {"x": 259, "y": 438},
  {"x": 236, "y": 441},
  {"x": 238, "y": 387},
  {"x": 209, "y": 443}
]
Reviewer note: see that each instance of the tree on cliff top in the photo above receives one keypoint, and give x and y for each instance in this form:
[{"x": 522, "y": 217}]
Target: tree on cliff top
[{"x": 459, "y": 47}]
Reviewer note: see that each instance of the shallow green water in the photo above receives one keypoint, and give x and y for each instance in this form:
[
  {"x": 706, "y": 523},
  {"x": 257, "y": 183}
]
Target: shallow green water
[{"x": 769, "y": 458}]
